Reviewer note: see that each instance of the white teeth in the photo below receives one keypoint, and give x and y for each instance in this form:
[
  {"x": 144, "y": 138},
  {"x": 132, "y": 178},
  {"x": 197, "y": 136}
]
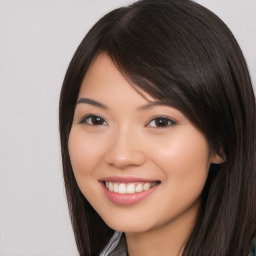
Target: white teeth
[
  {"x": 139, "y": 188},
  {"x": 111, "y": 188},
  {"x": 146, "y": 186},
  {"x": 122, "y": 189},
  {"x": 116, "y": 189},
  {"x": 129, "y": 188}
]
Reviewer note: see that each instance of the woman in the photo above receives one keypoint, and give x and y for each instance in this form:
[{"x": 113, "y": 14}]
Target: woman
[{"x": 157, "y": 126}]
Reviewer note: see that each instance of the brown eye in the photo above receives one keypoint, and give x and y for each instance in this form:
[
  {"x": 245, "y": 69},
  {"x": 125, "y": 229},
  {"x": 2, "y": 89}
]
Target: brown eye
[
  {"x": 161, "y": 122},
  {"x": 94, "y": 120}
]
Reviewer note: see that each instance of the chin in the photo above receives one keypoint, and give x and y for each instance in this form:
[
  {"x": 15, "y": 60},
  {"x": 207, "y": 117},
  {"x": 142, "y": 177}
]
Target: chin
[{"x": 128, "y": 226}]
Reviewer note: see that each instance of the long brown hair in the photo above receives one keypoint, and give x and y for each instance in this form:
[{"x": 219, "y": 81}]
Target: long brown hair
[{"x": 177, "y": 51}]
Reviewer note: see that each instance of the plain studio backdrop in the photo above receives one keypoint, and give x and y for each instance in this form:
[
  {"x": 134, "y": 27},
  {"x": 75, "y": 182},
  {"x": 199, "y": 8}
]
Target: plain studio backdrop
[{"x": 37, "y": 41}]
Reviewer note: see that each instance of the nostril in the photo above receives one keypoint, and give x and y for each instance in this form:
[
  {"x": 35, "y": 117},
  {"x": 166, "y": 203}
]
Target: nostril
[{"x": 124, "y": 158}]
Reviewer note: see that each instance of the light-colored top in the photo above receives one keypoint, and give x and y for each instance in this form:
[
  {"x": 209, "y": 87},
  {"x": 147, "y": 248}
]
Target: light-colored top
[{"x": 117, "y": 246}]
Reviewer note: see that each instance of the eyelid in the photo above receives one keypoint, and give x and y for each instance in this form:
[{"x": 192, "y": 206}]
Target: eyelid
[
  {"x": 171, "y": 120},
  {"x": 87, "y": 116}
]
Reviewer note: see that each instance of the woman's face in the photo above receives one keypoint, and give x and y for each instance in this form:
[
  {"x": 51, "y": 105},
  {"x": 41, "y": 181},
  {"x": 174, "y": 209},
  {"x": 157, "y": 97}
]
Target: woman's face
[{"x": 140, "y": 164}]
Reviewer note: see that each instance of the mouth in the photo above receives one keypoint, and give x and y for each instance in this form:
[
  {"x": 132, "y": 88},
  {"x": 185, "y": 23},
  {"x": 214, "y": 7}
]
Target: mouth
[{"x": 129, "y": 188}]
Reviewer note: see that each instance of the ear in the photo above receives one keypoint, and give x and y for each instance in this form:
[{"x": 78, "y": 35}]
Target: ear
[{"x": 218, "y": 158}]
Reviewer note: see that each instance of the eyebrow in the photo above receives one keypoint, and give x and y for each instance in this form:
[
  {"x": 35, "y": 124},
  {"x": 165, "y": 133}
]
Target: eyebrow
[
  {"x": 141, "y": 108},
  {"x": 91, "y": 102},
  {"x": 153, "y": 104}
]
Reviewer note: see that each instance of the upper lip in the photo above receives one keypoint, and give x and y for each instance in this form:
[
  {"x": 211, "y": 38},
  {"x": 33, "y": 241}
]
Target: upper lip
[{"x": 127, "y": 179}]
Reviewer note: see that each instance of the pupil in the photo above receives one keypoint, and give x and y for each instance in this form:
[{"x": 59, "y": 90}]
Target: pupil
[
  {"x": 97, "y": 120},
  {"x": 161, "y": 122}
]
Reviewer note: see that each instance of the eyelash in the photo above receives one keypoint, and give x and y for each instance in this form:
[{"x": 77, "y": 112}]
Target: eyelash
[
  {"x": 166, "y": 121},
  {"x": 85, "y": 120}
]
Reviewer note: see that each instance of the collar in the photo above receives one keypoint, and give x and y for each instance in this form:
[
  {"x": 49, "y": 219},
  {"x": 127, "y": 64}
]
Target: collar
[{"x": 116, "y": 246}]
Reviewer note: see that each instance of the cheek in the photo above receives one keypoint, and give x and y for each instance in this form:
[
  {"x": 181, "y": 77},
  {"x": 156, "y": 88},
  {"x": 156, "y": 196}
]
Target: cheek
[
  {"x": 84, "y": 153},
  {"x": 182, "y": 153},
  {"x": 184, "y": 160}
]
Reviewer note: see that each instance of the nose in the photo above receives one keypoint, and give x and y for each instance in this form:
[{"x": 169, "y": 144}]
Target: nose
[{"x": 125, "y": 150}]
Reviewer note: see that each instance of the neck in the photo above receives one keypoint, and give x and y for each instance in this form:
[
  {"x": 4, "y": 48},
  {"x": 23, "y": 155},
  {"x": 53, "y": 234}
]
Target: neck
[{"x": 165, "y": 240}]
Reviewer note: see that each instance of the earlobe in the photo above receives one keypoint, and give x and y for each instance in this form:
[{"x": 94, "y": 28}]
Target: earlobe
[{"x": 218, "y": 158}]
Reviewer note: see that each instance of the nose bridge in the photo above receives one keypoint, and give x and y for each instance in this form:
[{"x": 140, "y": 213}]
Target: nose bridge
[{"x": 125, "y": 149}]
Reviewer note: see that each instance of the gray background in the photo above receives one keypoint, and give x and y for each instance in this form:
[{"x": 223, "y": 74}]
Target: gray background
[{"x": 37, "y": 41}]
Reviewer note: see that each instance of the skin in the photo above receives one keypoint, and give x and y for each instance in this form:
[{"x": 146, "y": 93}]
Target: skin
[{"x": 128, "y": 142}]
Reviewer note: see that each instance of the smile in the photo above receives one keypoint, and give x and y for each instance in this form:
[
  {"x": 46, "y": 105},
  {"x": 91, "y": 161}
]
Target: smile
[{"x": 129, "y": 188}]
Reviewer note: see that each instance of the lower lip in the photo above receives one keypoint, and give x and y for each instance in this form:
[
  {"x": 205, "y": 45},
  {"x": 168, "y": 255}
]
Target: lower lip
[{"x": 127, "y": 199}]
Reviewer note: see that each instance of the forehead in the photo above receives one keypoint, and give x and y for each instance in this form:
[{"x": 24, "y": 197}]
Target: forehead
[
  {"x": 104, "y": 80},
  {"x": 106, "y": 88}
]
